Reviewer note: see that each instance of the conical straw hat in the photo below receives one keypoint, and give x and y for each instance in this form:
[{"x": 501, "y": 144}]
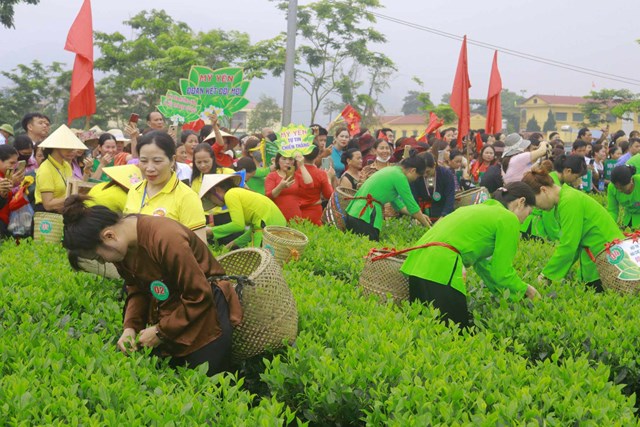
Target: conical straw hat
[
  {"x": 63, "y": 138},
  {"x": 211, "y": 180},
  {"x": 125, "y": 175}
]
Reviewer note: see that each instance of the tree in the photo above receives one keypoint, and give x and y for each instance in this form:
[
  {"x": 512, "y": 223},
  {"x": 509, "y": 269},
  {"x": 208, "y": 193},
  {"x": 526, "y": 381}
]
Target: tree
[
  {"x": 550, "y": 124},
  {"x": 532, "y": 125},
  {"x": 161, "y": 51},
  {"x": 6, "y": 11},
  {"x": 510, "y": 110},
  {"x": 266, "y": 114},
  {"x": 607, "y": 101},
  {"x": 332, "y": 47}
]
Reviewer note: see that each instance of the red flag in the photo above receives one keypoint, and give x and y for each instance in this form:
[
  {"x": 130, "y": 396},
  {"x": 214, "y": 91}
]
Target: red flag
[
  {"x": 494, "y": 107},
  {"x": 434, "y": 123},
  {"x": 82, "y": 100},
  {"x": 194, "y": 126},
  {"x": 382, "y": 135},
  {"x": 479, "y": 143},
  {"x": 352, "y": 117},
  {"x": 460, "y": 94}
]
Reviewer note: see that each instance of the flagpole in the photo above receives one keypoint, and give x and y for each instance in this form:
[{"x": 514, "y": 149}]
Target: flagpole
[
  {"x": 292, "y": 28},
  {"x": 86, "y": 122}
]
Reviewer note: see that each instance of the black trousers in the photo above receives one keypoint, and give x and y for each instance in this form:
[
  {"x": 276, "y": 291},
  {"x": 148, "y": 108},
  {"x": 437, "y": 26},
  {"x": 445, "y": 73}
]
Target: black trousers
[
  {"x": 363, "y": 228},
  {"x": 596, "y": 285},
  {"x": 217, "y": 352},
  {"x": 451, "y": 302},
  {"x": 224, "y": 218}
]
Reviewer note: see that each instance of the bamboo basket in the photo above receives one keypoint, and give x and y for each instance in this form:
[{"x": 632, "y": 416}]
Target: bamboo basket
[
  {"x": 270, "y": 318},
  {"x": 336, "y": 211},
  {"x": 383, "y": 277},
  {"x": 48, "y": 226},
  {"x": 284, "y": 243},
  {"x": 474, "y": 196},
  {"x": 618, "y": 272}
]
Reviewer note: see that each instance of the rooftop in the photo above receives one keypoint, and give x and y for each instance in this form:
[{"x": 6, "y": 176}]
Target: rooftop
[{"x": 560, "y": 99}]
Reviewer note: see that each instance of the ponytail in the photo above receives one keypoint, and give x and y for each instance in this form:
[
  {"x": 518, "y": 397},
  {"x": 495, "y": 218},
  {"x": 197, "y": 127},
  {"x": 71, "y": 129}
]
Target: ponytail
[
  {"x": 538, "y": 177},
  {"x": 514, "y": 191},
  {"x": 622, "y": 175}
]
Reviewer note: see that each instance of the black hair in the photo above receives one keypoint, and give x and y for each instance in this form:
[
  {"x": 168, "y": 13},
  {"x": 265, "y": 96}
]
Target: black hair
[
  {"x": 148, "y": 118},
  {"x": 617, "y": 135},
  {"x": 203, "y": 146},
  {"x": 22, "y": 142},
  {"x": 104, "y": 138},
  {"x": 186, "y": 134},
  {"x": 7, "y": 151},
  {"x": 624, "y": 146},
  {"x": 415, "y": 161},
  {"x": 83, "y": 225},
  {"x": 29, "y": 117},
  {"x": 205, "y": 132},
  {"x": 247, "y": 164},
  {"x": 622, "y": 175},
  {"x": 379, "y": 141},
  {"x": 277, "y": 162},
  {"x": 429, "y": 160},
  {"x": 454, "y": 153},
  {"x": 161, "y": 139},
  {"x": 634, "y": 134},
  {"x": 513, "y": 191},
  {"x": 227, "y": 184},
  {"x": 578, "y": 144},
  {"x": 582, "y": 132},
  {"x": 313, "y": 154},
  {"x": 573, "y": 162},
  {"x": 633, "y": 141},
  {"x": 552, "y": 134},
  {"x": 348, "y": 155}
]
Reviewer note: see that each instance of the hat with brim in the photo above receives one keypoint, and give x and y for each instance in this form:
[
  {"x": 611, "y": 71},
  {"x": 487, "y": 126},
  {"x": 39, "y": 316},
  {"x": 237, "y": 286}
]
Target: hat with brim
[
  {"x": 515, "y": 144},
  {"x": 63, "y": 138},
  {"x": 7, "y": 128},
  {"x": 229, "y": 139},
  {"x": 209, "y": 181},
  {"x": 89, "y": 136},
  {"x": 365, "y": 142},
  {"x": 118, "y": 135},
  {"x": 126, "y": 175}
]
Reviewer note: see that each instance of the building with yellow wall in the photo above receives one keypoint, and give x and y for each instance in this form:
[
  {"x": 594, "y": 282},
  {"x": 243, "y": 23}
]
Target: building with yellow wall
[{"x": 415, "y": 124}]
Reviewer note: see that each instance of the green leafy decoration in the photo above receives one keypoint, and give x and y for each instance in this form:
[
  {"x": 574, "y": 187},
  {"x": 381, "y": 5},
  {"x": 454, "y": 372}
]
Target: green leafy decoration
[
  {"x": 303, "y": 144},
  {"x": 170, "y": 106}
]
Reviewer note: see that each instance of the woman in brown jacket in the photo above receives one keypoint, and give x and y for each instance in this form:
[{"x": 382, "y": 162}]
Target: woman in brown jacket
[{"x": 175, "y": 303}]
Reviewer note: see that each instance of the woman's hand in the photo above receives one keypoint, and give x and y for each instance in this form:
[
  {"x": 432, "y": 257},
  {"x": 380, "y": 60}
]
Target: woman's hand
[
  {"x": 106, "y": 159},
  {"x": 17, "y": 178},
  {"x": 532, "y": 293},
  {"x": 5, "y": 187},
  {"x": 286, "y": 182},
  {"x": 149, "y": 337},
  {"x": 127, "y": 341},
  {"x": 132, "y": 130}
]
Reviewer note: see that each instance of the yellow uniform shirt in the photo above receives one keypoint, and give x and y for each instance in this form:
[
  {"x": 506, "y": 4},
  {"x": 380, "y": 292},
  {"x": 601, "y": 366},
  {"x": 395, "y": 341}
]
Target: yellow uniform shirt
[
  {"x": 52, "y": 177},
  {"x": 112, "y": 197},
  {"x": 176, "y": 201},
  {"x": 196, "y": 185}
]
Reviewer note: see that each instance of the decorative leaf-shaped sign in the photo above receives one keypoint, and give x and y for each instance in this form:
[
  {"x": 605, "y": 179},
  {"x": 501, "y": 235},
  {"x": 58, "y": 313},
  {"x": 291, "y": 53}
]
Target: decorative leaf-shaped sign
[
  {"x": 179, "y": 108},
  {"x": 295, "y": 138},
  {"x": 222, "y": 90}
]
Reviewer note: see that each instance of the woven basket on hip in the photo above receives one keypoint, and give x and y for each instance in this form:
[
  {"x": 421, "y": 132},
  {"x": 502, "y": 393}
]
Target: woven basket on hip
[
  {"x": 107, "y": 270},
  {"x": 618, "y": 272},
  {"x": 474, "y": 196},
  {"x": 335, "y": 212},
  {"x": 270, "y": 317},
  {"x": 383, "y": 277},
  {"x": 47, "y": 226},
  {"x": 284, "y": 243}
]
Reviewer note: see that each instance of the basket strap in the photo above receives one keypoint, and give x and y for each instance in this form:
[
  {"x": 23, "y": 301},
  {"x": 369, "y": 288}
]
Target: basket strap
[
  {"x": 394, "y": 252},
  {"x": 241, "y": 281},
  {"x": 368, "y": 205}
]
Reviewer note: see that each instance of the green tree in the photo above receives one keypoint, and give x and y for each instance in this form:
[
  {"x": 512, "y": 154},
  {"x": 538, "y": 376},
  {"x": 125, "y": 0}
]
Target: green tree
[
  {"x": 266, "y": 114},
  {"x": 6, "y": 11},
  {"x": 160, "y": 51},
  {"x": 607, "y": 101},
  {"x": 333, "y": 40},
  {"x": 510, "y": 110},
  {"x": 532, "y": 125},
  {"x": 550, "y": 124}
]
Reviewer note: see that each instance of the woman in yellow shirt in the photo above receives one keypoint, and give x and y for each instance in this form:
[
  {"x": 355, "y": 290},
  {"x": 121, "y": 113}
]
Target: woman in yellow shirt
[
  {"x": 161, "y": 193},
  {"x": 246, "y": 208},
  {"x": 113, "y": 194},
  {"x": 55, "y": 171}
]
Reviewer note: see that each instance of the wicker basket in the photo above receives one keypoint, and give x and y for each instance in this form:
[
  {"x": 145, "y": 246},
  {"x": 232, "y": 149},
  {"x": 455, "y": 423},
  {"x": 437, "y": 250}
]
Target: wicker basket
[
  {"x": 383, "y": 277},
  {"x": 270, "y": 317},
  {"x": 106, "y": 270},
  {"x": 618, "y": 272},
  {"x": 474, "y": 196},
  {"x": 335, "y": 212},
  {"x": 284, "y": 243},
  {"x": 48, "y": 227}
]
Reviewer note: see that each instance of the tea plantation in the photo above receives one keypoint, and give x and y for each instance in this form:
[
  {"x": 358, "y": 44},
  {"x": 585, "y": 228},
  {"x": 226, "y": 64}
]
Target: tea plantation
[{"x": 570, "y": 358}]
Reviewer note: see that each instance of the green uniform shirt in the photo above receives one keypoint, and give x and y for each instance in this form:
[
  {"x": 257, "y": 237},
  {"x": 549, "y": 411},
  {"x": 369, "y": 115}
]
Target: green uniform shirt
[
  {"x": 256, "y": 183},
  {"x": 629, "y": 202},
  {"x": 104, "y": 177},
  {"x": 388, "y": 185},
  {"x": 634, "y": 161},
  {"x": 584, "y": 223},
  {"x": 486, "y": 236},
  {"x": 543, "y": 223}
]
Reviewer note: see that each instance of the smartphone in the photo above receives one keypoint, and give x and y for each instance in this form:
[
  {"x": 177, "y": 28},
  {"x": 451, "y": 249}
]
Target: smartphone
[
  {"x": 134, "y": 118},
  {"x": 407, "y": 152},
  {"x": 290, "y": 172},
  {"x": 22, "y": 164},
  {"x": 442, "y": 156},
  {"x": 326, "y": 163},
  {"x": 8, "y": 174}
]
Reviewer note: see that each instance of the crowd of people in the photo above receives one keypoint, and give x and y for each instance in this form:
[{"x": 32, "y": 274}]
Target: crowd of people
[{"x": 157, "y": 198}]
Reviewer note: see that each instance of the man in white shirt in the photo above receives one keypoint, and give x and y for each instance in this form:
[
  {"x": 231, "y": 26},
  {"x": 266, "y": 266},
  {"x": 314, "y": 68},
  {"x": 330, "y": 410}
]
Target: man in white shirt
[{"x": 6, "y": 130}]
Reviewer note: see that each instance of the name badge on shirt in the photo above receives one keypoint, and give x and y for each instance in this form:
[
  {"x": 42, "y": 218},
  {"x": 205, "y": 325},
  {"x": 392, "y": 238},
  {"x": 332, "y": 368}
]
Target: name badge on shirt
[{"x": 159, "y": 290}]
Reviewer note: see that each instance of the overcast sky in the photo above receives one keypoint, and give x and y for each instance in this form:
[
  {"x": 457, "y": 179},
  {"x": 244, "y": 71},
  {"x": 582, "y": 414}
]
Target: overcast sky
[{"x": 588, "y": 33}]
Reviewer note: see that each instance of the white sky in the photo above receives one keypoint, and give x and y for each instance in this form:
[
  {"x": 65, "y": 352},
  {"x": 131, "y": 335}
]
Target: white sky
[{"x": 593, "y": 34}]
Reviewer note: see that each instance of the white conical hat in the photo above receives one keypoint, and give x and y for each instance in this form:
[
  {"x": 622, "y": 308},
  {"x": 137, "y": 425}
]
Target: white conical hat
[
  {"x": 231, "y": 140},
  {"x": 211, "y": 180},
  {"x": 63, "y": 138}
]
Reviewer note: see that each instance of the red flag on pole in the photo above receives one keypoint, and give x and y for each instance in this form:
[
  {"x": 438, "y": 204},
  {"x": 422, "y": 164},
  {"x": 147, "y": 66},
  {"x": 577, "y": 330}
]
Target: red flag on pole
[
  {"x": 494, "y": 107},
  {"x": 479, "y": 143},
  {"x": 352, "y": 118},
  {"x": 82, "y": 100},
  {"x": 434, "y": 123},
  {"x": 460, "y": 94}
]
